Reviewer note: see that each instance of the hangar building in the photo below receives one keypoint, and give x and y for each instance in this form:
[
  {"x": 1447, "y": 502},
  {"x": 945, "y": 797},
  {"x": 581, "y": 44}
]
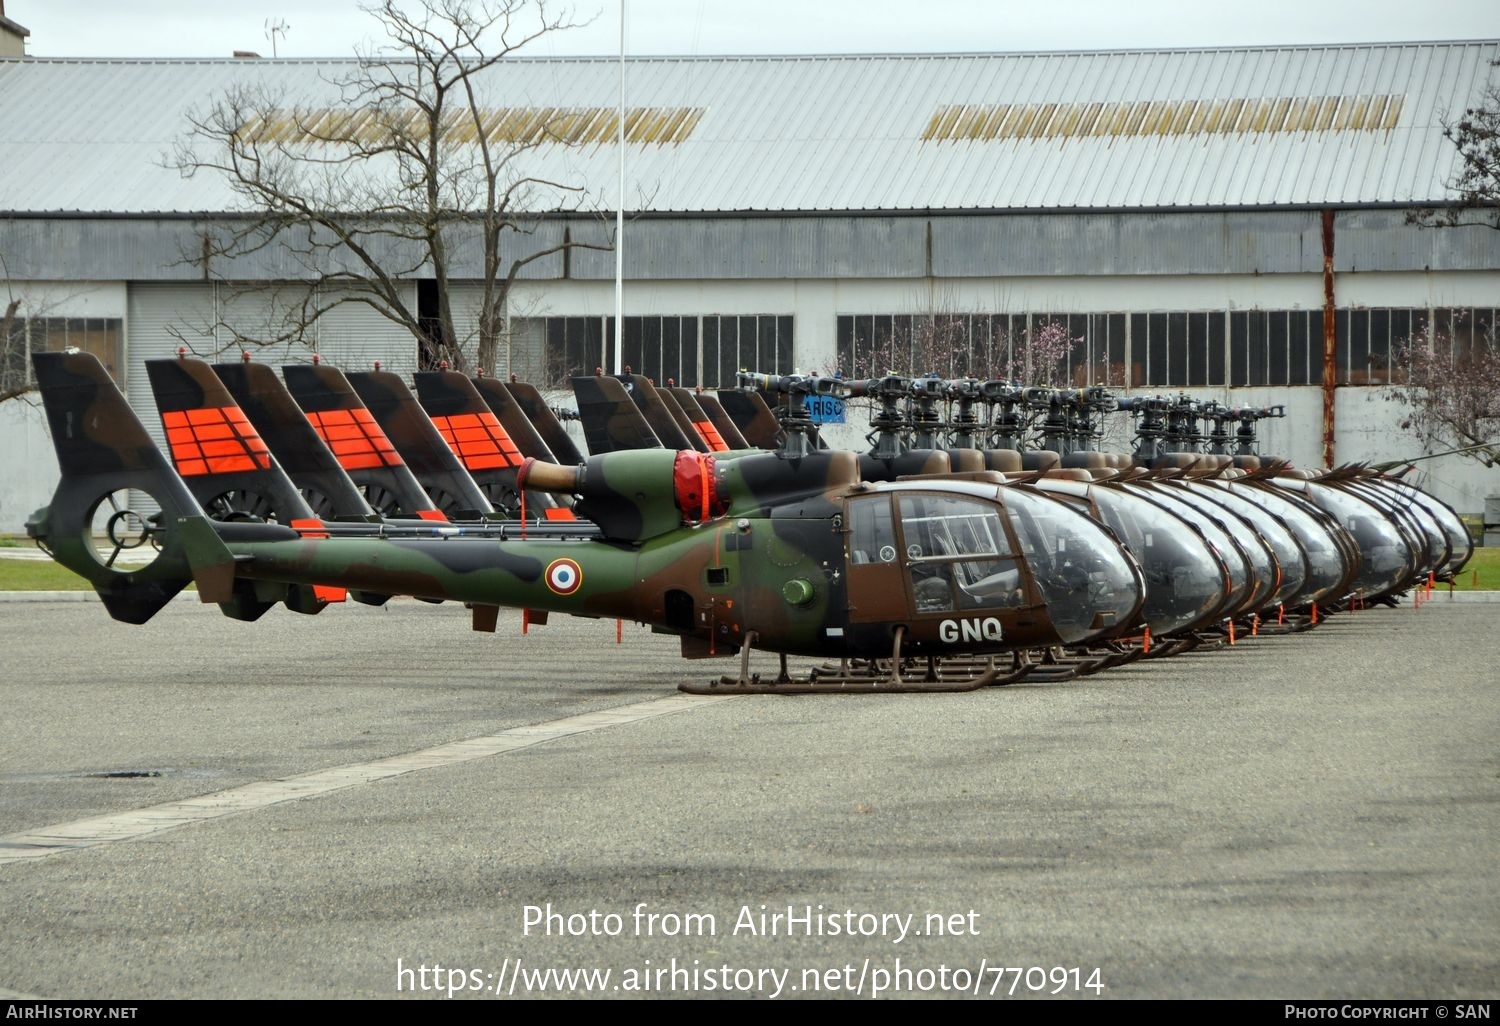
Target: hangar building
[{"x": 1199, "y": 219}]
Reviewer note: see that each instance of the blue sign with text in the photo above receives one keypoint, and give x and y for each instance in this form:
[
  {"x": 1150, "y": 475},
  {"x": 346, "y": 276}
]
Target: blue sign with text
[{"x": 825, "y": 409}]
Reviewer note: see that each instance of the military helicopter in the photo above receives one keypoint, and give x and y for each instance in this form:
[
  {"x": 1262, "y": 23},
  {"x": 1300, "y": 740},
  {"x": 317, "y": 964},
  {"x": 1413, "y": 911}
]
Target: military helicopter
[
  {"x": 730, "y": 553},
  {"x": 1278, "y": 541}
]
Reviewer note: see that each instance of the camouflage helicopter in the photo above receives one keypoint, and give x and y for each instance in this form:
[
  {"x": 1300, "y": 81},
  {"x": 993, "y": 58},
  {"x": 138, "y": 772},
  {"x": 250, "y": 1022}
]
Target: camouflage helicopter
[
  {"x": 955, "y": 577},
  {"x": 1268, "y": 541}
]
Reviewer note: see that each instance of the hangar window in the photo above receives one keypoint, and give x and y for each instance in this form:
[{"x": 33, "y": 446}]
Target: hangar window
[
  {"x": 1180, "y": 349},
  {"x": 574, "y": 347},
  {"x": 1093, "y": 344},
  {"x": 761, "y": 343},
  {"x": 1454, "y": 332},
  {"x": 1079, "y": 349},
  {"x": 662, "y": 348},
  {"x": 1275, "y": 347},
  {"x": 689, "y": 350},
  {"x": 1285, "y": 347},
  {"x": 1161, "y": 349},
  {"x": 1462, "y": 330},
  {"x": 26, "y": 335},
  {"x": 871, "y": 345}
]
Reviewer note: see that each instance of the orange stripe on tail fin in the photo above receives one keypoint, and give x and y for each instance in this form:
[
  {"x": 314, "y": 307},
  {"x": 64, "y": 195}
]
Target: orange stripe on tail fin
[
  {"x": 711, "y": 435},
  {"x": 478, "y": 440},
  {"x": 310, "y": 528},
  {"x": 355, "y": 439},
  {"x": 214, "y": 440}
]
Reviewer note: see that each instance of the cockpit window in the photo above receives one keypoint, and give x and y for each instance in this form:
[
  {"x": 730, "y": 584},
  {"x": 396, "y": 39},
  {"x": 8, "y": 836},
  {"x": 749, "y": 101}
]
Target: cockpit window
[
  {"x": 1082, "y": 575},
  {"x": 872, "y": 538},
  {"x": 958, "y": 555},
  {"x": 940, "y": 526}
]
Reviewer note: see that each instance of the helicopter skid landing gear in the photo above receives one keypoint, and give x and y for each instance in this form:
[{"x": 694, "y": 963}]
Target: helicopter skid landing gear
[
  {"x": 1160, "y": 650},
  {"x": 874, "y": 676},
  {"x": 1056, "y": 667}
]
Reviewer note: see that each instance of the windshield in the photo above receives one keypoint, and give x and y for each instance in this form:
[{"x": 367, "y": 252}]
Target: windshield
[
  {"x": 1325, "y": 562},
  {"x": 1387, "y": 560},
  {"x": 1258, "y": 553},
  {"x": 1235, "y": 560},
  {"x": 1184, "y": 582},
  {"x": 1425, "y": 533},
  {"x": 1087, "y": 581},
  {"x": 1289, "y": 559},
  {"x": 1459, "y": 542}
]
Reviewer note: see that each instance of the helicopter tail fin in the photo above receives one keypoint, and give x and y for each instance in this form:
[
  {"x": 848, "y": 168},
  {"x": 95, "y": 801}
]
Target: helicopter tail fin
[
  {"x": 749, "y": 412},
  {"x": 671, "y": 428},
  {"x": 125, "y": 521},
  {"x": 217, "y": 451},
  {"x": 117, "y": 486},
  {"x": 612, "y": 422},
  {"x": 437, "y": 467},
  {"x": 292, "y": 439},
  {"x": 701, "y": 422},
  {"x": 347, "y": 427},
  {"x": 534, "y": 406}
]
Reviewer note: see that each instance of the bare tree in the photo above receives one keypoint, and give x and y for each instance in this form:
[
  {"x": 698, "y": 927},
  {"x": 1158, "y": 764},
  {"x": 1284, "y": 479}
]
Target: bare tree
[
  {"x": 33, "y": 318},
  {"x": 15, "y": 364},
  {"x": 1451, "y": 385},
  {"x": 1476, "y": 183},
  {"x": 14, "y": 378},
  {"x": 409, "y": 174},
  {"x": 1451, "y": 389}
]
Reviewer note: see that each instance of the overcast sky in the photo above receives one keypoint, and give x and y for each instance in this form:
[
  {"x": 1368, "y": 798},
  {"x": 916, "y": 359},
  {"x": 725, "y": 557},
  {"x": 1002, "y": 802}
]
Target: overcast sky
[{"x": 323, "y": 28}]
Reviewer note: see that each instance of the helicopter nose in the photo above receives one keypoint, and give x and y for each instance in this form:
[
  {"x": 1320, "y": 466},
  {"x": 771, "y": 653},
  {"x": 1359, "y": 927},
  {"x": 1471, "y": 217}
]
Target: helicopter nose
[
  {"x": 1087, "y": 581},
  {"x": 1088, "y": 597}
]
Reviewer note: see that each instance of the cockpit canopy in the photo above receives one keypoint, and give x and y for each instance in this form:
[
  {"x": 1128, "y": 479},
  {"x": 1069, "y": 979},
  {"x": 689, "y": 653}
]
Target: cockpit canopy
[{"x": 965, "y": 554}]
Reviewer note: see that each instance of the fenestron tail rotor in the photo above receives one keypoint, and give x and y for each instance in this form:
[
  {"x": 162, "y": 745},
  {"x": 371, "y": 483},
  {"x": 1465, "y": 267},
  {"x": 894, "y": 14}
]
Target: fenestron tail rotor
[
  {"x": 217, "y": 450},
  {"x": 116, "y": 485},
  {"x": 240, "y": 504}
]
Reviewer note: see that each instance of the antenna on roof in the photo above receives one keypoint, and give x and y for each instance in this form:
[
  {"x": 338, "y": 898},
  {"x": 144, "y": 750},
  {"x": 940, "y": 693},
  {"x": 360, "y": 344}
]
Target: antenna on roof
[{"x": 276, "y": 28}]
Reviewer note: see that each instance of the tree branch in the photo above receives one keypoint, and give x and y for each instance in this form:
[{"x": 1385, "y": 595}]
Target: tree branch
[{"x": 362, "y": 196}]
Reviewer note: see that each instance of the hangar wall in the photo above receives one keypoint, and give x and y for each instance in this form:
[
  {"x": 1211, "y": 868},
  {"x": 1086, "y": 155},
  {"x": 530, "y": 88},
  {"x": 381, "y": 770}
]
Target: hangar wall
[
  {"x": 155, "y": 321},
  {"x": 816, "y": 303},
  {"x": 1365, "y": 418},
  {"x": 160, "y": 317},
  {"x": 28, "y": 464}
]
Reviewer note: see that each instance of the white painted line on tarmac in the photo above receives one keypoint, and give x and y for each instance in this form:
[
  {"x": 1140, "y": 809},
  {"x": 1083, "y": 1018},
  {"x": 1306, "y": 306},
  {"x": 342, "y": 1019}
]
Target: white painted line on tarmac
[
  {"x": 11, "y": 995},
  {"x": 126, "y": 826}
]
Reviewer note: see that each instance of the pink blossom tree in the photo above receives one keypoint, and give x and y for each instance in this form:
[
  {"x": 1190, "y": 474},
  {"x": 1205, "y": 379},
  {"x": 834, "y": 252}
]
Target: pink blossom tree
[
  {"x": 980, "y": 347},
  {"x": 1041, "y": 355}
]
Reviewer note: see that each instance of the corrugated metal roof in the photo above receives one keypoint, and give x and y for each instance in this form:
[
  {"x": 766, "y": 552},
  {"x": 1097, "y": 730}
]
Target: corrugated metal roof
[{"x": 1252, "y": 127}]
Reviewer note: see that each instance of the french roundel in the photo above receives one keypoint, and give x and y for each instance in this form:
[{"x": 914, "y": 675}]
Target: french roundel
[{"x": 563, "y": 576}]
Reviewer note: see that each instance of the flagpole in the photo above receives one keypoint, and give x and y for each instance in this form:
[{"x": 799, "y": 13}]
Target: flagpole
[{"x": 620, "y": 212}]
